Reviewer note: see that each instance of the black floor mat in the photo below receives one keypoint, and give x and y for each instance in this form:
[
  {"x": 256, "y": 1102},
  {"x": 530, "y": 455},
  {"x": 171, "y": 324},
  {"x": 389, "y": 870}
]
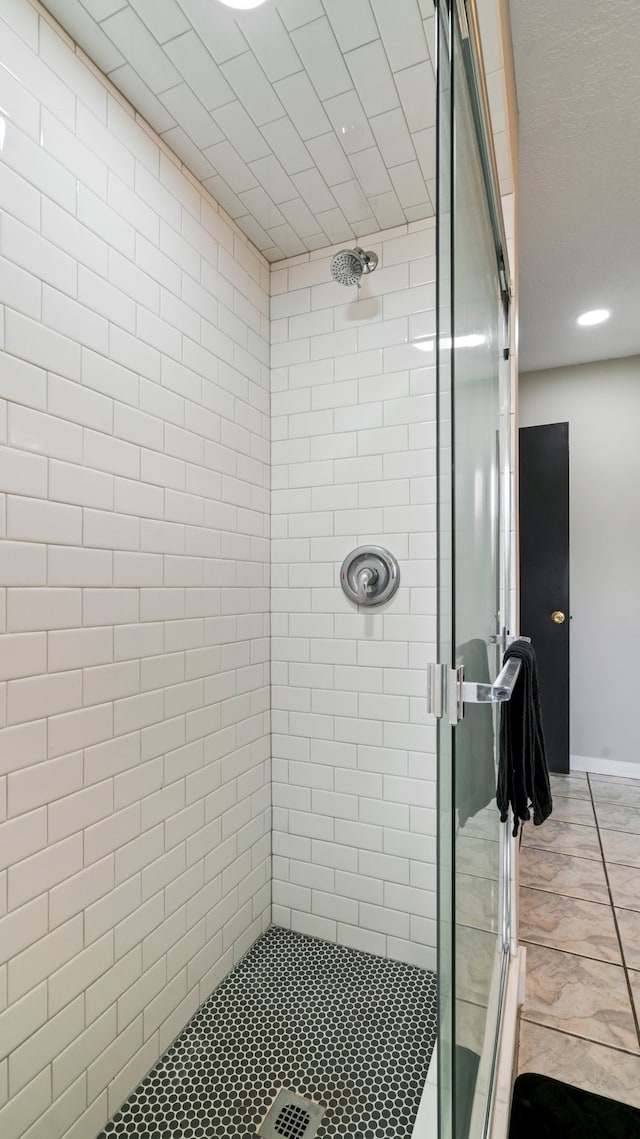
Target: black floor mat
[{"x": 548, "y": 1109}]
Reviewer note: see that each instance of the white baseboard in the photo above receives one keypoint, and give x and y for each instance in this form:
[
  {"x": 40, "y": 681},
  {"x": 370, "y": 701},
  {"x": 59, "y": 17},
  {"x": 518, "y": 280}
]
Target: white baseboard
[{"x": 604, "y": 766}]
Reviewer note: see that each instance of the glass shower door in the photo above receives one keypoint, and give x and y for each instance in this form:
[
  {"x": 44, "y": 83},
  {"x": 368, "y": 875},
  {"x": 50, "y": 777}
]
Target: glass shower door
[{"x": 473, "y": 918}]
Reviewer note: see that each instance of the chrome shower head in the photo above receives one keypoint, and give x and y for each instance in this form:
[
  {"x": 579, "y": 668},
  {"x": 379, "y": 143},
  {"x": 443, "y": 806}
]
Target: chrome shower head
[{"x": 348, "y": 266}]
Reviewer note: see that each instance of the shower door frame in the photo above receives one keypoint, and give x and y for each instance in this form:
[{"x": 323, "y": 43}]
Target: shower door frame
[{"x": 459, "y": 17}]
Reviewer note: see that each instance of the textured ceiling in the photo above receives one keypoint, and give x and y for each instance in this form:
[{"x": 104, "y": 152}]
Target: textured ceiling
[
  {"x": 310, "y": 121},
  {"x": 578, "y": 80}
]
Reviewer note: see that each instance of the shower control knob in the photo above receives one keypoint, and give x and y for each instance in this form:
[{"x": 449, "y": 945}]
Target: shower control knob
[
  {"x": 370, "y": 575},
  {"x": 366, "y": 579}
]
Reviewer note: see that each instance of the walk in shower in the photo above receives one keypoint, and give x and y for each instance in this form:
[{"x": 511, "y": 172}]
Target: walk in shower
[{"x": 255, "y": 451}]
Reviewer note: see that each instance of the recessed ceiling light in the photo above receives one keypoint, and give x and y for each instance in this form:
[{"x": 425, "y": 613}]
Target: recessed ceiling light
[
  {"x": 594, "y": 316},
  {"x": 242, "y": 3}
]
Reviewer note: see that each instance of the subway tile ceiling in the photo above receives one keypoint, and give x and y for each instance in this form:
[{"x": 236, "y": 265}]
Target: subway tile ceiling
[{"x": 312, "y": 122}]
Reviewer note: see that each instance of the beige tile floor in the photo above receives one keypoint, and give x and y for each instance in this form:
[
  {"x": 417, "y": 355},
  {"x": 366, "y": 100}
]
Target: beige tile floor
[{"x": 580, "y": 922}]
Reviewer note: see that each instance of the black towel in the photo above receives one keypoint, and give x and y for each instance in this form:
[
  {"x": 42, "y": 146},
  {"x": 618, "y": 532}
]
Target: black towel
[{"x": 523, "y": 772}]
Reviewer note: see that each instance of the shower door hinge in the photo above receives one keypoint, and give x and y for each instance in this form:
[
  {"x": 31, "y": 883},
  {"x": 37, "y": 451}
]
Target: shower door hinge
[
  {"x": 445, "y": 692},
  {"x": 436, "y": 689},
  {"x": 507, "y": 353}
]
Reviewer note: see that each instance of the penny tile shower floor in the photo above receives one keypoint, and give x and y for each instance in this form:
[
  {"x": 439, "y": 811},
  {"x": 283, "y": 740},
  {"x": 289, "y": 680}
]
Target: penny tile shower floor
[{"x": 349, "y": 1030}]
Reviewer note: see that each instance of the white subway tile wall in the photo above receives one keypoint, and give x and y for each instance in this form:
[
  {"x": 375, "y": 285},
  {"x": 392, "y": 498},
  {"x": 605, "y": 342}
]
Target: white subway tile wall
[
  {"x": 134, "y": 624},
  {"x": 309, "y": 123},
  {"x": 354, "y": 461}
]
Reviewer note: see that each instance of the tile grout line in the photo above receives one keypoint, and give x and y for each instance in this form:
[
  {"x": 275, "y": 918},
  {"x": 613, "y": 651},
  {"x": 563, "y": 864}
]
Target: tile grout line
[
  {"x": 552, "y": 849},
  {"x": 562, "y": 894},
  {"x": 615, "y": 917},
  {"x": 587, "y": 1039},
  {"x": 572, "y": 952},
  {"x": 578, "y": 1036}
]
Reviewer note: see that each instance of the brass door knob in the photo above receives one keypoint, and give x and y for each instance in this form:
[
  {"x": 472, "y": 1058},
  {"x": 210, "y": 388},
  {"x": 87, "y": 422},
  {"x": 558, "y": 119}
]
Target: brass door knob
[{"x": 558, "y": 617}]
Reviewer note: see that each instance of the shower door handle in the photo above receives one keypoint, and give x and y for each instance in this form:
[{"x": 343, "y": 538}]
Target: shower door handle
[
  {"x": 461, "y": 691},
  {"x": 448, "y": 688}
]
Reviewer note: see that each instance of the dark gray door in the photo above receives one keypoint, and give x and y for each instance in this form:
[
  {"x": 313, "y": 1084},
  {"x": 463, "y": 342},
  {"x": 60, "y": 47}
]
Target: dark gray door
[{"x": 544, "y": 574}]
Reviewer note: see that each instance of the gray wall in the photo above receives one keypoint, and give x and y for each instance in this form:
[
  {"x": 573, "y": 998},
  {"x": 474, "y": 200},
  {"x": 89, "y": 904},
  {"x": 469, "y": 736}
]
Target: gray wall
[{"x": 601, "y": 402}]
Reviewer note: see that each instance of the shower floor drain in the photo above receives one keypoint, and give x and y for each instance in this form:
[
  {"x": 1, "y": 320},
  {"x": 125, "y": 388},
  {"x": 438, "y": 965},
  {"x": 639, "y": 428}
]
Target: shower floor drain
[{"x": 291, "y": 1116}]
